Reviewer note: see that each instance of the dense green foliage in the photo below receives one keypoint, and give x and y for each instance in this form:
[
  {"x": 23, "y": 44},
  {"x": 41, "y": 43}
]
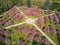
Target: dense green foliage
[
  {"x": 8, "y": 4},
  {"x": 55, "y": 6},
  {"x": 46, "y": 4},
  {"x": 28, "y": 3},
  {"x": 5, "y": 5}
]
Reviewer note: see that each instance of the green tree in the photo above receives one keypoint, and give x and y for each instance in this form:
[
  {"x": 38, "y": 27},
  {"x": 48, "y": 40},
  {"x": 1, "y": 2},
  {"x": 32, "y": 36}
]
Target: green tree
[
  {"x": 5, "y": 5},
  {"x": 29, "y": 3},
  {"x": 58, "y": 1},
  {"x": 46, "y": 5},
  {"x": 40, "y": 4},
  {"x": 20, "y": 3},
  {"x": 55, "y": 6}
]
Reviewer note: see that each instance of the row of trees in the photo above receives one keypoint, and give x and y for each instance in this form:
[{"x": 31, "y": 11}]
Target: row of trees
[
  {"x": 7, "y": 4},
  {"x": 51, "y": 5},
  {"x": 55, "y": 6}
]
